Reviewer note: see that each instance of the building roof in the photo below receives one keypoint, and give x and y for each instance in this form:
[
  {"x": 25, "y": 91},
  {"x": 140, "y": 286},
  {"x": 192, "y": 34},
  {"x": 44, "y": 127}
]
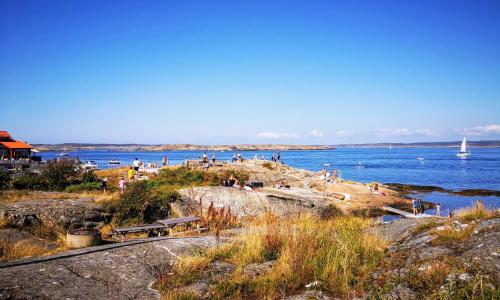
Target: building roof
[
  {"x": 4, "y": 134},
  {"x": 16, "y": 145}
]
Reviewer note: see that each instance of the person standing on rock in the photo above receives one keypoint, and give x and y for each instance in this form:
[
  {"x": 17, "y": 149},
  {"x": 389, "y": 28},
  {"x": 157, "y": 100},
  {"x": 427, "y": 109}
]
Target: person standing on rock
[
  {"x": 130, "y": 174},
  {"x": 121, "y": 185},
  {"x": 414, "y": 205},
  {"x": 213, "y": 158},
  {"x": 104, "y": 184},
  {"x": 165, "y": 161},
  {"x": 136, "y": 164},
  {"x": 438, "y": 209}
]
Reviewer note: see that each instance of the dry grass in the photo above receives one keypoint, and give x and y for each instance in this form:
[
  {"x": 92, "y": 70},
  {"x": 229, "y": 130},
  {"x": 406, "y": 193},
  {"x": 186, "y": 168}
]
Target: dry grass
[
  {"x": 21, "y": 249},
  {"x": 336, "y": 253},
  {"x": 451, "y": 236},
  {"x": 187, "y": 270},
  {"x": 424, "y": 226},
  {"x": 24, "y": 249},
  {"x": 13, "y": 196},
  {"x": 179, "y": 295},
  {"x": 112, "y": 173},
  {"x": 431, "y": 278},
  {"x": 101, "y": 197},
  {"x": 476, "y": 212}
]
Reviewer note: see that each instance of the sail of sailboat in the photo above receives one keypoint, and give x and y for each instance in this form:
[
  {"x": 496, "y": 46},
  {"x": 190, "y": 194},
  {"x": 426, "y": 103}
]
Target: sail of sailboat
[{"x": 463, "y": 149}]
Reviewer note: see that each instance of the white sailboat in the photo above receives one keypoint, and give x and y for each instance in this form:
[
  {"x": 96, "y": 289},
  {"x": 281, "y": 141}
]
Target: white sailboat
[{"x": 464, "y": 151}]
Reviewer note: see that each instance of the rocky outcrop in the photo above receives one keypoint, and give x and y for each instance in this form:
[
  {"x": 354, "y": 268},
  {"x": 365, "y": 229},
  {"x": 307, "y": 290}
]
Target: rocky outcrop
[
  {"x": 308, "y": 192},
  {"x": 64, "y": 213},
  {"x": 419, "y": 263},
  {"x": 254, "y": 203},
  {"x": 126, "y": 272}
]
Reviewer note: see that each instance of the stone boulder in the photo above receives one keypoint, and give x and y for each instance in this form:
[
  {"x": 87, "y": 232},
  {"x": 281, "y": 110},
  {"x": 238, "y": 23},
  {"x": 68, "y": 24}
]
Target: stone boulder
[
  {"x": 64, "y": 213},
  {"x": 244, "y": 203}
]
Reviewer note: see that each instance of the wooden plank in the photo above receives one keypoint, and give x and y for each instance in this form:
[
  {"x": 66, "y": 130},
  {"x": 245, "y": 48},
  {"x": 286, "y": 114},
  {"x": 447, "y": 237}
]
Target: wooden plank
[
  {"x": 167, "y": 223},
  {"x": 139, "y": 228},
  {"x": 179, "y": 220},
  {"x": 405, "y": 213}
]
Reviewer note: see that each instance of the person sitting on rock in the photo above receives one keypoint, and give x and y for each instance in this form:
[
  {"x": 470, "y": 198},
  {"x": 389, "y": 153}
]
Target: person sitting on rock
[
  {"x": 233, "y": 181},
  {"x": 324, "y": 173},
  {"x": 281, "y": 185}
]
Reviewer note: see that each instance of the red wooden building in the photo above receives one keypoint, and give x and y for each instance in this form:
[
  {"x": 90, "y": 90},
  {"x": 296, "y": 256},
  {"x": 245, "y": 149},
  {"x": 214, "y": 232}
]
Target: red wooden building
[{"x": 12, "y": 149}]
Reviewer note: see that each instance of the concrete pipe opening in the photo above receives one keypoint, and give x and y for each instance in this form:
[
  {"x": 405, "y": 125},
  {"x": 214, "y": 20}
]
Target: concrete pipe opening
[{"x": 81, "y": 238}]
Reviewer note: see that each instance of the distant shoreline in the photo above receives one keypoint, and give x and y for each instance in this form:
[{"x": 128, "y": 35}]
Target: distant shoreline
[
  {"x": 177, "y": 147},
  {"x": 250, "y": 147}
]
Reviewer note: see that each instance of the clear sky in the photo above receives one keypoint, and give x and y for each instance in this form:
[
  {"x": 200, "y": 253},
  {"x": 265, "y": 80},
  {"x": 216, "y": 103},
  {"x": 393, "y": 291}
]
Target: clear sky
[{"x": 312, "y": 72}]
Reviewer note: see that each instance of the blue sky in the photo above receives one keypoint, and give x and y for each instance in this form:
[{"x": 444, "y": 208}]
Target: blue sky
[{"x": 312, "y": 72}]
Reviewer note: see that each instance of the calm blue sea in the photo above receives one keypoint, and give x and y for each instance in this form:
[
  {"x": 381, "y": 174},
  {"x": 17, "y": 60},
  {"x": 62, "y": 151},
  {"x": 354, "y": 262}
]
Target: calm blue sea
[{"x": 419, "y": 166}]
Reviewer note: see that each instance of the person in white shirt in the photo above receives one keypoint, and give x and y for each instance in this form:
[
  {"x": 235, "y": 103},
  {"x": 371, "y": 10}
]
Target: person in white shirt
[{"x": 136, "y": 164}]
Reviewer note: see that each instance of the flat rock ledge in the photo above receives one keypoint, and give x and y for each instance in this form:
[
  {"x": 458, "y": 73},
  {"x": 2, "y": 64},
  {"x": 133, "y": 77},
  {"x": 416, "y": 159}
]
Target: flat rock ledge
[{"x": 116, "y": 271}]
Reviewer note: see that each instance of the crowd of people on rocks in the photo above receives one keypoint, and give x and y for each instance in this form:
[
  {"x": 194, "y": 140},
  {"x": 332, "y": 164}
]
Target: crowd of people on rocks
[
  {"x": 133, "y": 172},
  {"x": 204, "y": 160},
  {"x": 237, "y": 158}
]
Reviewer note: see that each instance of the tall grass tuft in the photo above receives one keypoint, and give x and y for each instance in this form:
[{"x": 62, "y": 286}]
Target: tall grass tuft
[
  {"x": 336, "y": 254},
  {"x": 476, "y": 212}
]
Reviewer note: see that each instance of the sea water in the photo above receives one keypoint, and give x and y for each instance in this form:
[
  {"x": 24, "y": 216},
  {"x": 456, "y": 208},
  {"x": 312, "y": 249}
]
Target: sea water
[{"x": 418, "y": 166}]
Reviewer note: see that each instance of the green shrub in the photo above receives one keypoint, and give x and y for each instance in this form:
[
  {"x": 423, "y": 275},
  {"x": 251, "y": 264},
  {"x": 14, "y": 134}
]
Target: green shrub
[
  {"x": 56, "y": 175},
  {"x": 89, "y": 176},
  {"x": 60, "y": 174},
  {"x": 4, "y": 179},
  {"x": 190, "y": 177},
  {"x": 268, "y": 166},
  {"x": 144, "y": 202},
  {"x": 183, "y": 177},
  {"x": 84, "y": 186},
  {"x": 28, "y": 181}
]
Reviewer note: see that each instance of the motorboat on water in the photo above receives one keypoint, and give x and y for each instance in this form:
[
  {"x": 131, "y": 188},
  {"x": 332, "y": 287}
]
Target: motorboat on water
[
  {"x": 64, "y": 153},
  {"x": 90, "y": 165},
  {"x": 114, "y": 162},
  {"x": 464, "y": 150}
]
